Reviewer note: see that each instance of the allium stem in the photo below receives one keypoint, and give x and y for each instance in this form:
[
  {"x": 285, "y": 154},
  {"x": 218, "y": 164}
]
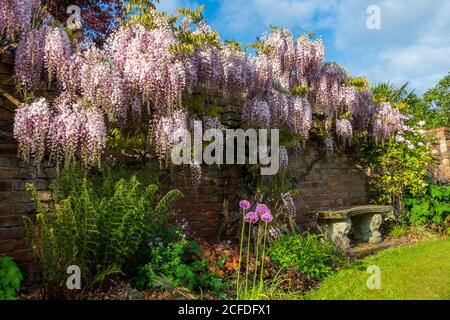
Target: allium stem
[
  {"x": 248, "y": 258},
  {"x": 240, "y": 255},
  {"x": 263, "y": 255},
  {"x": 256, "y": 259}
]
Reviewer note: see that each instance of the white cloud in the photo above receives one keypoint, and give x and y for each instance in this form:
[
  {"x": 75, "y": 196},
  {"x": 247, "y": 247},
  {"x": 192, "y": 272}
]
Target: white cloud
[{"x": 413, "y": 44}]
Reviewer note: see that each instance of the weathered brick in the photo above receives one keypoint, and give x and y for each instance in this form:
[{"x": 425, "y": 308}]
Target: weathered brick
[
  {"x": 24, "y": 255},
  {"x": 10, "y": 221},
  {"x": 9, "y": 173},
  {"x": 21, "y": 185},
  {"x": 25, "y": 208},
  {"x": 6, "y": 209},
  {"x": 6, "y": 185},
  {"x": 12, "y": 245},
  {"x": 8, "y": 161},
  {"x": 10, "y": 233}
]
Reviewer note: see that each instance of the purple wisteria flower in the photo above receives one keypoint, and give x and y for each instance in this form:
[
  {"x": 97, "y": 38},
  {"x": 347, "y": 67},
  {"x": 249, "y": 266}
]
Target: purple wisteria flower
[
  {"x": 245, "y": 204},
  {"x": 267, "y": 217},
  {"x": 251, "y": 217},
  {"x": 262, "y": 209}
]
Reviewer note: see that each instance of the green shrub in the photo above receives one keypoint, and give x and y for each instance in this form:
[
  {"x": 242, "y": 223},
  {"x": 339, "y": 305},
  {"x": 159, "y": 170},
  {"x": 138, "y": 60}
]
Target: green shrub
[
  {"x": 309, "y": 254},
  {"x": 398, "y": 230},
  {"x": 10, "y": 279},
  {"x": 175, "y": 261},
  {"x": 432, "y": 208},
  {"x": 98, "y": 224}
]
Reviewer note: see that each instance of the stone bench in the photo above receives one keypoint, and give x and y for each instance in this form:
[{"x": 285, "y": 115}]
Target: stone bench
[{"x": 364, "y": 221}]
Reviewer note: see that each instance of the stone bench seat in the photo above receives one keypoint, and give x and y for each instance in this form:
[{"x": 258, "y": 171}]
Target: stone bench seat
[{"x": 364, "y": 221}]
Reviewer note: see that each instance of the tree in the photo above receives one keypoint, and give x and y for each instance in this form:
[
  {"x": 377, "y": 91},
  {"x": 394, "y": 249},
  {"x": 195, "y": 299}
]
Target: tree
[
  {"x": 99, "y": 17},
  {"x": 438, "y": 101}
]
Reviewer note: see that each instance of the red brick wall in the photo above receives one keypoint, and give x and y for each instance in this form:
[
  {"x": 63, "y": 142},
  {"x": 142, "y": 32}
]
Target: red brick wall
[
  {"x": 15, "y": 201},
  {"x": 325, "y": 181}
]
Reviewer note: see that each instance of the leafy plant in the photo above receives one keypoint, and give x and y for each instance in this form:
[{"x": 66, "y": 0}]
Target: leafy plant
[
  {"x": 431, "y": 208},
  {"x": 398, "y": 230},
  {"x": 176, "y": 261},
  {"x": 311, "y": 255},
  {"x": 10, "y": 279},
  {"x": 98, "y": 224}
]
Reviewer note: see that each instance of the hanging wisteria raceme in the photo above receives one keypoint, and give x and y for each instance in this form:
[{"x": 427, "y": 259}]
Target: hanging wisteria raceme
[
  {"x": 102, "y": 85},
  {"x": 92, "y": 135},
  {"x": 167, "y": 131},
  {"x": 387, "y": 121},
  {"x": 29, "y": 61},
  {"x": 64, "y": 135},
  {"x": 284, "y": 157},
  {"x": 327, "y": 89},
  {"x": 31, "y": 124},
  {"x": 283, "y": 55},
  {"x": 144, "y": 59},
  {"x": 68, "y": 130},
  {"x": 309, "y": 57},
  {"x": 236, "y": 70},
  {"x": 207, "y": 69},
  {"x": 72, "y": 73},
  {"x": 15, "y": 17},
  {"x": 57, "y": 51},
  {"x": 257, "y": 112},
  {"x": 299, "y": 117},
  {"x": 344, "y": 130}
]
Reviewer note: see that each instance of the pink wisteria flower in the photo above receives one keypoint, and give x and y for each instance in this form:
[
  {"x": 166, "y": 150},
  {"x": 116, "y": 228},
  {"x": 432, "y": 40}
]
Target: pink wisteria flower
[
  {"x": 245, "y": 204},
  {"x": 251, "y": 217}
]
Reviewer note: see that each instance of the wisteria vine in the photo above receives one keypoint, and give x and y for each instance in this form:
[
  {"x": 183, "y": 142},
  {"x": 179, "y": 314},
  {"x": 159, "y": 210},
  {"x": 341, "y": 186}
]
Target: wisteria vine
[{"x": 138, "y": 75}]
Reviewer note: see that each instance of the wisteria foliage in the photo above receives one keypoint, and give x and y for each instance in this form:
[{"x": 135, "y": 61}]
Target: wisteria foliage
[{"x": 137, "y": 73}]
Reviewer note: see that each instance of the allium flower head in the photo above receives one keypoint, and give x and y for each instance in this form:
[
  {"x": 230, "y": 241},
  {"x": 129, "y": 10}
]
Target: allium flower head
[
  {"x": 262, "y": 209},
  {"x": 244, "y": 204},
  {"x": 251, "y": 217},
  {"x": 267, "y": 217}
]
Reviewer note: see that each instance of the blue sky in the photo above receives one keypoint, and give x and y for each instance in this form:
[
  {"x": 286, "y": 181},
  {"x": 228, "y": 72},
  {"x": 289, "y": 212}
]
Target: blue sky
[{"x": 413, "y": 43}]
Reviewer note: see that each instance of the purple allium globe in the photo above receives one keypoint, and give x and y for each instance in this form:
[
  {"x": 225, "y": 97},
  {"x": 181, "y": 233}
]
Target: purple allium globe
[
  {"x": 266, "y": 217},
  {"x": 245, "y": 204},
  {"x": 262, "y": 209},
  {"x": 251, "y": 217}
]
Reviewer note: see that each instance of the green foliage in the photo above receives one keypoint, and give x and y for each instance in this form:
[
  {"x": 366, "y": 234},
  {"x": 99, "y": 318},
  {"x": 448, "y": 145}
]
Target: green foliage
[
  {"x": 309, "y": 254},
  {"x": 98, "y": 224},
  {"x": 189, "y": 40},
  {"x": 10, "y": 279},
  {"x": 398, "y": 230},
  {"x": 431, "y": 208},
  {"x": 396, "y": 168},
  {"x": 359, "y": 83},
  {"x": 399, "y": 166},
  {"x": 300, "y": 91},
  {"x": 438, "y": 101},
  {"x": 176, "y": 261}
]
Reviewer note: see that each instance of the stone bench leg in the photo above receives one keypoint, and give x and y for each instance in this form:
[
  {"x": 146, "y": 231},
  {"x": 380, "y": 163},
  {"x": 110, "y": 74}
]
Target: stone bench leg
[
  {"x": 366, "y": 227},
  {"x": 337, "y": 231}
]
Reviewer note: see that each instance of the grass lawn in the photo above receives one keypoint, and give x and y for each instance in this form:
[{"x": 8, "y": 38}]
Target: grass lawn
[{"x": 420, "y": 271}]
